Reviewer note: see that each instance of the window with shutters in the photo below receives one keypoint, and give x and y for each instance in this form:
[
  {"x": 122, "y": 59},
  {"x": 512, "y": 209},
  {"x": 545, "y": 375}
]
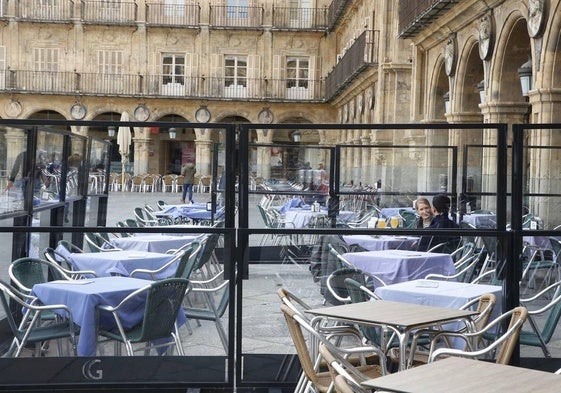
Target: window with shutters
[
  {"x": 237, "y": 9},
  {"x": 109, "y": 10},
  {"x": 235, "y": 76},
  {"x": 45, "y": 67},
  {"x": 173, "y": 74},
  {"x": 297, "y": 77},
  {"x": 110, "y": 69}
]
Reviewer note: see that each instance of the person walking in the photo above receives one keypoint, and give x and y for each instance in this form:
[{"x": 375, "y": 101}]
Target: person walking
[{"x": 188, "y": 172}]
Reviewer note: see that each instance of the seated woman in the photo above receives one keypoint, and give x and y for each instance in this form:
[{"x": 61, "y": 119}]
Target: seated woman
[
  {"x": 424, "y": 210},
  {"x": 440, "y": 209}
]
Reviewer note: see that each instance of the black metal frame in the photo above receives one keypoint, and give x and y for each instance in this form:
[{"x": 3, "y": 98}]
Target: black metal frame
[{"x": 61, "y": 372}]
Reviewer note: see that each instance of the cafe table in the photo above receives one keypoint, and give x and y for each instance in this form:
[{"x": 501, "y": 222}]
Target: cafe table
[
  {"x": 394, "y": 266},
  {"x": 121, "y": 262},
  {"x": 401, "y": 318},
  {"x": 83, "y": 296},
  {"x": 382, "y": 242},
  {"x": 459, "y": 375},
  {"x": 153, "y": 242}
]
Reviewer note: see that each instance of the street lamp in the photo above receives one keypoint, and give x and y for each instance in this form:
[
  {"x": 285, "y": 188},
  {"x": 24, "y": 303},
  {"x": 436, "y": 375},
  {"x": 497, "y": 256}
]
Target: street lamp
[
  {"x": 296, "y": 136},
  {"x": 172, "y": 133},
  {"x": 525, "y": 74},
  {"x": 111, "y": 131},
  {"x": 481, "y": 89},
  {"x": 447, "y": 106}
]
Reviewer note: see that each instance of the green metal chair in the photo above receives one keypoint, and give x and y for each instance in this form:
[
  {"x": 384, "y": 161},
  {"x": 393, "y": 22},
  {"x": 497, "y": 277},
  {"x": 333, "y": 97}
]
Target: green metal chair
[
  {"x": 28, "y": 271},
  {"x": 69, "y": 246},
  {"x": 185, "y": 259},
  {"x": 31, "y": 330},
  {"x": 162, "y": 305},
  {"x": 212, "y": 312},
  {"x": 99, "y": 243},
  {"x": 537, "y": 337},
  {"x": 56, "y": 257},
  {"x": 409, "y": 218}
]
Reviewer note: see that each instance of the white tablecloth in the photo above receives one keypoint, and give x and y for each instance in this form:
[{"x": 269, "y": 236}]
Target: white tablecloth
[
  {"x": 153, "y": 242},
  {"x": 394, "y": 266},
  {"x": 301, "y": 218},
  {"x": 440, "y": 293},
  {"x": 481, "y": 220},
  {"x": 375, "y": 243}
]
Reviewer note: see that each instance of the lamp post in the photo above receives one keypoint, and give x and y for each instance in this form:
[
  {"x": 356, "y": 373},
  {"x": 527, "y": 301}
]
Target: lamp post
[
  {"x": 481, "y": 89},
  {"x": 447, "y": 105},
  {"x": 296, "y": 136},
  {"x": 525, "y": 74},
  {"x": 172, "y": 133},
  {"x": 111, "y": 131}
]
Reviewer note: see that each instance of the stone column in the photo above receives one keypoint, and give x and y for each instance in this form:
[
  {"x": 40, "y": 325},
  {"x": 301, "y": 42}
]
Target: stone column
[
  {"x": 366, "y": 159},
  {"x": 497, "y": 112},
  {"x": 263, "y": 169},
  {"x": 542, "y": 176},
  {"x": 203, "y": 147}
]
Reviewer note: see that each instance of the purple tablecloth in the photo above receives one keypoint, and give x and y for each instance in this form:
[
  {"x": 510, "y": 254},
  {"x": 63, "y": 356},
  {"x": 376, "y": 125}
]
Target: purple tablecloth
[
  {"x": 121, "y": 262},
  {"x": 153, "y": 242},
  {"x": 84, "y": 296},
  {"x": 394, "y": 266},
  {"x": 376, "y": 243}
]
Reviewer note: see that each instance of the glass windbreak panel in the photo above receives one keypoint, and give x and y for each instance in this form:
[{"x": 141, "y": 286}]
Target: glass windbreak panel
[
  {"x": 76, "y": 172},
  {"x": 13, "y": 142},
  {"x": 99, "y": 166},
  {"x": 200, "y": 355},
  {"x": 540, "y": 243},
  {"x": 376, "y": 194},
  {"x": 48, "y": 162}
]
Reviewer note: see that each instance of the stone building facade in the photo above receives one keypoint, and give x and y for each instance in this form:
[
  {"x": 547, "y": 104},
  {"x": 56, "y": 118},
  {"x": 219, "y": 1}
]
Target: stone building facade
[
  {"x": 249, "y": 61},
  {"x": 280, "y": 61}
]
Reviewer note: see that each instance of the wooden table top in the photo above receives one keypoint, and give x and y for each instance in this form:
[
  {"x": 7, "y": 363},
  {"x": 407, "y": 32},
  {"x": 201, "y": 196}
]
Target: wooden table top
[
  {"x": 461, "y": 375},
  {"x": 397, "y": 314}
]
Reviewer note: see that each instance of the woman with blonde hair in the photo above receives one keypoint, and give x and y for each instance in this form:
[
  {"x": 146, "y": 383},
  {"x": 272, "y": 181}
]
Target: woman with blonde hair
[{"x": 424, "y": 210}]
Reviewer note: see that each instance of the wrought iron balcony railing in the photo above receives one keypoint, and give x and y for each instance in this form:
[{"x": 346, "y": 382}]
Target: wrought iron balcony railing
[
  {"x": 336, "y": 11},
  {"x": 255, "y": 89},
  {"x": 363, "y": 53},
  {"x": 176, "y": 15},
  {"x": 109, "y": 12},
  {"x": 415, "y": 15},
  {"x": 236, "y": 16},
  {"x": 48, "y": 11},
  {"x": 300, "y": 18}
]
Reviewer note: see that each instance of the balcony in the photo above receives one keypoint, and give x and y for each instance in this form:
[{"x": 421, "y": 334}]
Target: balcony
[
  {"x": 110, "y": 13},
  {"x": 363, "y": 53},
  {"x": 156, "y": 86},
  {"x": 416, "y": 15},
  {"x": 57, "y": 11},
  {"x": 236, "y": 17},
  {"x": 175, "y": 15},
  {"x": 336, "y": 10},
  {"x": 287, "y": 18}
]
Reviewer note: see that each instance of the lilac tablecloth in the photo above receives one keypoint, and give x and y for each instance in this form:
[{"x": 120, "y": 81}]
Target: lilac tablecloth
[
  {"x": 82, "y": 299},
  {"x": 394, "y": 266},
  {"x": 121, "y": 262},
  {"x": 376, "y": 243},
  {"x": 153, "y": 242}
]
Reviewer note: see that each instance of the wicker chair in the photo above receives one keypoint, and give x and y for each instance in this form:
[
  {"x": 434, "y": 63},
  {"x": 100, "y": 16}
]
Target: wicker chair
[{"x": 504, "y": 343}]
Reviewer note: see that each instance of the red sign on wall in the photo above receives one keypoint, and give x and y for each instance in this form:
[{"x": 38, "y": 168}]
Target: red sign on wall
[{"x": 188, "y": 153}]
